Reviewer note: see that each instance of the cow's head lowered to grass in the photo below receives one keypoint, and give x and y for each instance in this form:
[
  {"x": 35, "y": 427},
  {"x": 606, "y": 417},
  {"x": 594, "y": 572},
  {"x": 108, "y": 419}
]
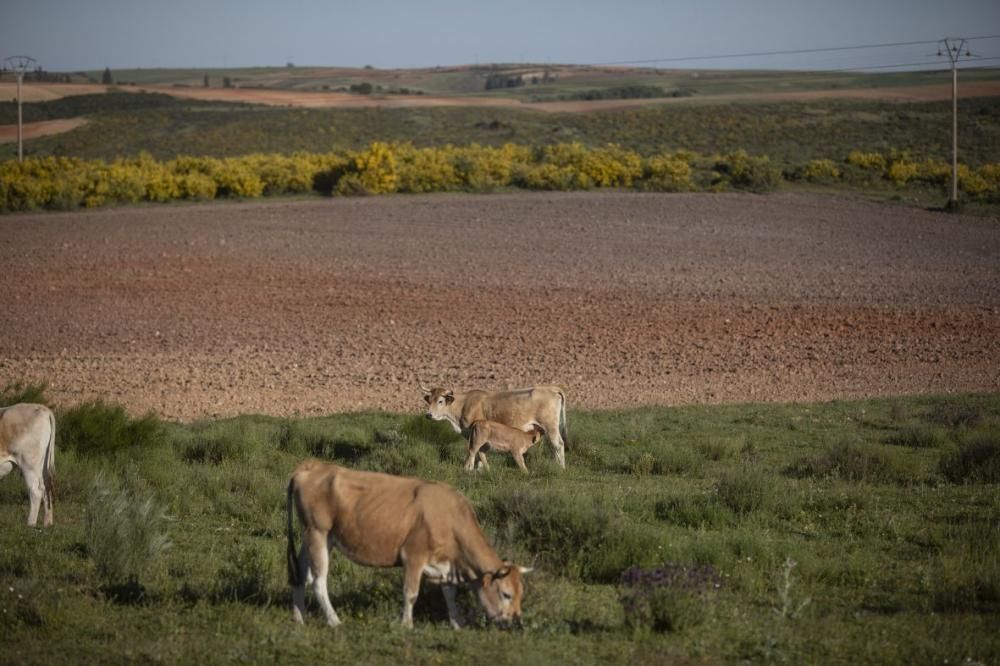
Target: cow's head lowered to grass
[{"x": 500, "y": 593}]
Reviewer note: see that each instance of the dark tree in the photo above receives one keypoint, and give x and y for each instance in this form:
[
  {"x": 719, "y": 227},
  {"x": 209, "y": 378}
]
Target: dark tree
[
  {"x": 106, "y": 78},
  {"x": 204, "y": 81}
]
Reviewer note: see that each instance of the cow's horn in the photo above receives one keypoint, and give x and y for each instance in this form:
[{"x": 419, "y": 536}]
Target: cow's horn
[{"x": 422, "y": 387}]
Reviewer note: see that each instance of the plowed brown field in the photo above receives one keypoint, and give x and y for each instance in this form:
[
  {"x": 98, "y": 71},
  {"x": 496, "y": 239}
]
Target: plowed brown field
[{"x": 341, "y": 304}]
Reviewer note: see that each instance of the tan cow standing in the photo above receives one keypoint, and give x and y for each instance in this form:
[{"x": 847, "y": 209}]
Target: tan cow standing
[
  {"x": 500, "y": 437},
  {"x": 544, "y": 406},
  {"x": 379, "y": 520},
  {"x": 28, "y": 440}
]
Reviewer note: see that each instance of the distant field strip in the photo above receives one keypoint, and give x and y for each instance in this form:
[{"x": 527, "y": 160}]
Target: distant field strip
[{"x": 8, "y": 133}]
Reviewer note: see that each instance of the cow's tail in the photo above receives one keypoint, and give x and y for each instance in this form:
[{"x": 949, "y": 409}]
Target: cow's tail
[
  {"x": 49, "y": 469},
  {"x": 294, "y": 575},
  {"x": 562, "y": 419}
]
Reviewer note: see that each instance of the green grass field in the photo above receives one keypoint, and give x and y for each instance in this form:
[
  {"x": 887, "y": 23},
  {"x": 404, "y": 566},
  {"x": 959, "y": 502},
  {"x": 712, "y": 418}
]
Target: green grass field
[
  {"x": 790, "y": 133},
  {"x": 863, "y": 531}
]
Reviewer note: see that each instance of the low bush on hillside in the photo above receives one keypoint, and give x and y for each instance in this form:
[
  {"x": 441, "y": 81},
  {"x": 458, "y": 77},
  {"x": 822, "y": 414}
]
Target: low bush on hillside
[
  {"x": 845, "y": 461},
  {"x": 16, "y": 392},
  {"x": 667, "y": 598},
  {"x": 976, "y": 460},
  {"x": 383, "y": 168},
  {"x": 100, "y": 428}
]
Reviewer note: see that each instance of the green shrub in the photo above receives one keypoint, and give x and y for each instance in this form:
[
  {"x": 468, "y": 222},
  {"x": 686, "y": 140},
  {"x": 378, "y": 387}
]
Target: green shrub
[
  {"x": 976, "y": 460},
  {"x": 583, "y": 539},
  {"x": 955, "y": 415},
  {"x": 124, "y": 530},
  {"x": 917, "y": 438},
  {"x": 212, "y": 449},
  {"x": 748, "y": 172},
  {"x": 744, "y": 490},
  {"x": 660, "y": 460},
  {"x": 699, "y": 511},
  {"x": 245, "y": 576},
  {"x": 100, "y": 428},
  {"x": 16, "y": 392},
  {"x": 845, "y": 461},
  {"x": 668, "y": 598}
]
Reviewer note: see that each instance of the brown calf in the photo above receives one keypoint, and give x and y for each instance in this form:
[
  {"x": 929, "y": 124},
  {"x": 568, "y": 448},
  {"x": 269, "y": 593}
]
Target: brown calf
[{"x": 500, "y": 437}]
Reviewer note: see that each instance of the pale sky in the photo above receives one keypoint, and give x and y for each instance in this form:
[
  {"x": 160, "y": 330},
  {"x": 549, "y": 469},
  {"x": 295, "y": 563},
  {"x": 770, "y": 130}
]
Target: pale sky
[{"x": 68, "y": 35}]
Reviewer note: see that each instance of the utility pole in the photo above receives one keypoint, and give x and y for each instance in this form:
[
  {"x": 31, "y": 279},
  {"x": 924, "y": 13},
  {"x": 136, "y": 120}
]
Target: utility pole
[
  {"x": 20, "y": 64},
  {"x": 953, "y": 47}
]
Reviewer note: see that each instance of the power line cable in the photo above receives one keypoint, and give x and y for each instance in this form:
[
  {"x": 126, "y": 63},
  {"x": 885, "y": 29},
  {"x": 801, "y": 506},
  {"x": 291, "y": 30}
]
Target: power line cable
[{"x": 784, "y": 52}]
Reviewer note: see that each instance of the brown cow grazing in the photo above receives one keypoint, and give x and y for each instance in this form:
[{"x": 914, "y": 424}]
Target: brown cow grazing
[
  {"x": 544, "y": 406},
  {"x": 500, "y": 437},
  {"x": 28, "y": 440},
  {"x": 380, "y": 520}
]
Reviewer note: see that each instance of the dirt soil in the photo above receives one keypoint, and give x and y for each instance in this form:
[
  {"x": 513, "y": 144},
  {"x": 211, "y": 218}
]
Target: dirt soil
[
  {"x": 316, "y": 306},
  {"x": 36, "y": 92},
  {"x": 8, "y": 133}
]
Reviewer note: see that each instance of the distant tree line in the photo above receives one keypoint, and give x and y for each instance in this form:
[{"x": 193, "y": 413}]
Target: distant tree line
[
  {"x": 495, "y": 81},
  {"x": 626, "y": 92},
  {"x": 38, "y": 74}
]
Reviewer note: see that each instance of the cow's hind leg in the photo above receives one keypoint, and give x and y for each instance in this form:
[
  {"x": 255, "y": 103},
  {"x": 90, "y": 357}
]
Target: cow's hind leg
[
  {"x": 552, "y": 432},
  {"x": 299, "y": 591},
  {"x": 319, "y": 557},
  {"x": 36, "y": 493}
]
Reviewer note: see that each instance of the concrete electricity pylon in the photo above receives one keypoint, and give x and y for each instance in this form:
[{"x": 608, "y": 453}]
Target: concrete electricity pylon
[
  {"x": 954, "y": 47},
  {"x": 19, "y": 64}
]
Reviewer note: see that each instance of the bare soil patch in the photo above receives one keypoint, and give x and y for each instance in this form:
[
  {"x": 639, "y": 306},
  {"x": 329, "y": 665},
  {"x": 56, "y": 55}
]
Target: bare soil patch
[
  {"x": 310, "y": 99},
  {"x": 315, "y": 306},
  {"x": 8, "y": 133}
]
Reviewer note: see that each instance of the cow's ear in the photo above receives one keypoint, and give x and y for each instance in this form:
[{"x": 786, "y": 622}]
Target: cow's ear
[{"x": 427, "y": 398}]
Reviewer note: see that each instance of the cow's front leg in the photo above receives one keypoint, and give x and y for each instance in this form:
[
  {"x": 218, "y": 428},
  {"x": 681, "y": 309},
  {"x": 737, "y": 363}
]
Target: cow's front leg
[
  {"x": 454, "y": 617},
  {"x": 470, "y": 462},
  {"x": 411, "y": 588}
]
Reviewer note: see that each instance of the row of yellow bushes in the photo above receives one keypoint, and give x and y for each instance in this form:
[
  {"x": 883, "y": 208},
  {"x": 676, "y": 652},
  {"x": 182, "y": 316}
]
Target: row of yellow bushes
[
  {"x": 57, "y": 182},
  {"x": 901, "y": 170}
]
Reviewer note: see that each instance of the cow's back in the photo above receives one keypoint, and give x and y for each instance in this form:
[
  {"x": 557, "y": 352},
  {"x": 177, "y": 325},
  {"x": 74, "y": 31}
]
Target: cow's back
[
  {"x": 371, "y": 515},
  {"x": 19, "y": 420},
  {"x": 514, "y": 408}
]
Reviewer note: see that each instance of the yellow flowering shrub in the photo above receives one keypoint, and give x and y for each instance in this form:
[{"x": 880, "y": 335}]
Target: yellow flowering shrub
[
  {"x": 65, "y": 183},
  {"x": 370, "y": 171},
  {"x": 821, "y": 171},
  {"x": 484, "y": 168},
  {"x": 902, "y": 171},
  {"x": 425, "y": 169},
  {"x": 874, "y": 161},
  {"x": 669, "y": 173}
]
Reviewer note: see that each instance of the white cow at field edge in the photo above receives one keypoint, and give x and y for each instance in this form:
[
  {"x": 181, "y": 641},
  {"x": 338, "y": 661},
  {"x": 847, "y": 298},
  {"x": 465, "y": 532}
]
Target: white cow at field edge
[
  {"x": 28, "y": 440},
  {"x": 543, "y": 406}
]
